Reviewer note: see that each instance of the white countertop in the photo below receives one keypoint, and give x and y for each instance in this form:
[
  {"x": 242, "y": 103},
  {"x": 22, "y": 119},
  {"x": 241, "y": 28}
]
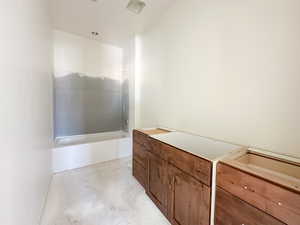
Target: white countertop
[{"x": 206, "y": 148}]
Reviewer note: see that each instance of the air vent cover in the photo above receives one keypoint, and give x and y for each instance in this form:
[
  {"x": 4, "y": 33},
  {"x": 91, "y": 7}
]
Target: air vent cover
[{"x": 136, "y": 6}]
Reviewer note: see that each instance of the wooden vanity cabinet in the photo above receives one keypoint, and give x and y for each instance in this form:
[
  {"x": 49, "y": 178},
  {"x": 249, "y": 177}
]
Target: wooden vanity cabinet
[
  {"x": 176, "y": 181},
  {"x": 188, "y": 199},
  {"x": 253, "y": 199}
]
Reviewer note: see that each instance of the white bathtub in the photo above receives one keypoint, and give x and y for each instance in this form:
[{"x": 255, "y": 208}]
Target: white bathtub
[{"x": 83, "y": 150}]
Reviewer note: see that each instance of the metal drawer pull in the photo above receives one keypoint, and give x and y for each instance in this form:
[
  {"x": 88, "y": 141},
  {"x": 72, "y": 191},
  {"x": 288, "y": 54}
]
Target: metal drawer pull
[
  {"x": 279, "y": 203},
  {"x": 245, "y": 187}
]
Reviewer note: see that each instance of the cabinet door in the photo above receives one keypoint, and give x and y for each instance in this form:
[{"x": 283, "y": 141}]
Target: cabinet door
[
  {"x": 188, "y": 199},
  {"x": 157, "y": 181}
]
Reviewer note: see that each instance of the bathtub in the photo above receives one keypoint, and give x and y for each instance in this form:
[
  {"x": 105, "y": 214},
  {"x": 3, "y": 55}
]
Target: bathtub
[{"x": 83, "y": 150}]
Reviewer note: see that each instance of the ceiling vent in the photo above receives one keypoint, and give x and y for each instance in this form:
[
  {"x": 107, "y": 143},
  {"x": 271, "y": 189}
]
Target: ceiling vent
[{"x": 136, "y": 6}]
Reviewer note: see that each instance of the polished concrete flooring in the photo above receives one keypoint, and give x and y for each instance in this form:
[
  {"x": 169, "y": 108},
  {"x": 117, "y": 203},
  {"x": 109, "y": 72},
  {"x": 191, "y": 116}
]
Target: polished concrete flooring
[{"x": 102, "y": 194}]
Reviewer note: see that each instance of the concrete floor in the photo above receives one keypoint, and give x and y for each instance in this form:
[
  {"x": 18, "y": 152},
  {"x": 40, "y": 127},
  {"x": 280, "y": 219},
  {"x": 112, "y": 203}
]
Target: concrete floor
[{"x": 102, "y": 194}]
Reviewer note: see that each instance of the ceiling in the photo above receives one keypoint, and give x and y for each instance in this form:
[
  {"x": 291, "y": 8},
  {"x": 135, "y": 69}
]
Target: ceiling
[{"x": 110, "y": 18}]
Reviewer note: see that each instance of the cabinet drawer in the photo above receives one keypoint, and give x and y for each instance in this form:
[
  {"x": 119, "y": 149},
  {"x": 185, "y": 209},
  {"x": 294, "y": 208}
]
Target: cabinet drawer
[
  {"x": 270, "y": 198},
  {"x": 140, "y": 154},
  {"x": 140, "y": 173},
  {"x": 156, "y": 148},
  {"x": 197, "y": 167},
  {"x": 230, "y": 210},
  {"x": 140, "y": 138}
]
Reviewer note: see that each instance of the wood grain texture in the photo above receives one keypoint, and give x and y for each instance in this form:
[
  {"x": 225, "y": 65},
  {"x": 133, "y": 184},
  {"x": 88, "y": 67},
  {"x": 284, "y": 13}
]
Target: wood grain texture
[
  {"x": 230, "y": 210},
  {"x": 280, "y": 171},
  {"x": 140, "y": 154},
  {"x": 156, "y": 148},
  {"x": 157, "y": 181},
  {"x": 275, "y": 200},
  {"x": 197, "y": 167},
  {"x": 141, "y": 138},
  {"x": 193, "y": 165},
  {"x": 183, "y": 195},
  {"x": 140, "y": 160},
  {"x": 153, "y": 131},
  {"x": 140, "y": 173},
  {"x": 188, "y": 199}
]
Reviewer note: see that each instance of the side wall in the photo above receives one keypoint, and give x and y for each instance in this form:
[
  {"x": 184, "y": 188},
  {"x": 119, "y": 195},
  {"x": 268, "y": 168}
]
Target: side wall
[
  {"x": 224, "y": 69},
  {"x": 26, "y": 110}
]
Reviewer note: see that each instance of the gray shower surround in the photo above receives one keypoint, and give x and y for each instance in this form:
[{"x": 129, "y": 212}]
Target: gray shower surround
[{"x": 87, "y": 105}]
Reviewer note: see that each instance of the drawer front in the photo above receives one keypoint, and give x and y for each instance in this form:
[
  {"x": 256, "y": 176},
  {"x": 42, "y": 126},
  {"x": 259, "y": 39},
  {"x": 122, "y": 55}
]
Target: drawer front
[
  {"x": 140, "y": 173},
  {"x": 140, "y": 154},
  {"x": 140, "y": 138},
  {"x": 197, "y": 167},
  {"x": 270, "y": 198},
  {"x": 156, "y": 148},
  {"x": 230, "y": 210}
]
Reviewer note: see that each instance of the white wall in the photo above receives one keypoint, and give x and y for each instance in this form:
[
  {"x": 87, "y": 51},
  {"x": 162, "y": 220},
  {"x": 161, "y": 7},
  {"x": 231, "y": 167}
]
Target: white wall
[
  {"x": 26, "y": 110},
  {"x": 224, "y": 69},
  {"x": 76, "y": 54},
  {"x": 128, "y": 75}
]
